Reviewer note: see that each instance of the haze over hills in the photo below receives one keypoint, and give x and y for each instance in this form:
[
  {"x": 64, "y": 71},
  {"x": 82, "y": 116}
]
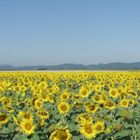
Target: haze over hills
[{"x": 69, "y": 66}]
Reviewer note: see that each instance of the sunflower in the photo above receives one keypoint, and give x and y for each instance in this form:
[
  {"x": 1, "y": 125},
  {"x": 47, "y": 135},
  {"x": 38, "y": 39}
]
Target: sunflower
[
  {"x": 3, "y": 119},
  {"x": 76, "y": 97},
  {"x": 132, "y": 102},
  {"x": 64, "y": 96},
  {"x": 23, "y": 88},
  {"x": 83, "y": 92},
  {"x": 77, "y": 104},
  {"x": 63, "y": 107},
  {"x": 50, "y": 98},
  {"x": 88, "y": 131},
  {"x": 6, "y": 101},
  {"x": 41, "y": 122},
  {"x": 98, "y": 88},
  {"x": 113, "y": 93},
  {"x": 1, "y": 88},
  {"x": 127, "y": 89},
  {"x": 9, "y": 109},
  {"x": 17, "y": 89},
  {"x": 120, "y": 90},
  {"x": 43, "y": 85},
  {"x": 38, "y": 103},
  {"x": 124, "y": 103},
  {"x": 25, "y": 115},
  {"x": 83, "y": 118},
  {"x": 61, "y": 134},
  {"x": 43, "y": 114},
  {"x": 27, "y": 127},
  {"x": 134, "y": 94},
  {"x": 91, "y": 108},
  {"x": 97, "y": 98},
  {"x": 104, "y": 98},
  {"x": 99, "y": 126},
  {"x": 44, "y": 97},
  {"x": 118, "y": 127},
  {"x": 110, "y": 105},
  {"x": 126, "y": 114},
  {"x": 54, "y": 89}
]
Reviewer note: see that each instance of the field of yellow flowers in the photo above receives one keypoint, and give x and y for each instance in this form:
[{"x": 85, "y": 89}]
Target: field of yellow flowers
[{"x": 69, "y": 105}]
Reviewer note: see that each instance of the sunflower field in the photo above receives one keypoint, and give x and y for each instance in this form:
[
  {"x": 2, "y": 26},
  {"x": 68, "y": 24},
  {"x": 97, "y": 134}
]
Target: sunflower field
[{"x": 69, "y": 105}]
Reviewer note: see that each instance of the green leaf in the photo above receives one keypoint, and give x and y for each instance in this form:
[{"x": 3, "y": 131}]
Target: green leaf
[
  {"x": 11, "y": 126},
  {"x": 123, "y": 133},
  {"x": 45, "y": 130},
  {"x": 76, "y": 138},
  {"x": 5, "y": 130},
  {"x": 73, "y": 127},
  {"x": 35, "y": 137},
  {"x": 127, "y": 125},
  {"x": 20, "y": 137},
  {"x": 138, "y": 135}
]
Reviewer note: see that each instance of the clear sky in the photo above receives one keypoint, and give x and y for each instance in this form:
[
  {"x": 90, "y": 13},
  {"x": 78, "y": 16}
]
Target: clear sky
[{"x": 47, "y": 32}]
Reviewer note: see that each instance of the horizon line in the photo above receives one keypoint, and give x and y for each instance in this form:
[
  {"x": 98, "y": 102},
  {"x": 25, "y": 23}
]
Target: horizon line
[{"x": 69, "y": 64}]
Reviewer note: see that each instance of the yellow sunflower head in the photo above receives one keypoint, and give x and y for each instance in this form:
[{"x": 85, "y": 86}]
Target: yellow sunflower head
[
  {"x": 98, "y": 88},
  {"x": 88, "y": 131},
  {"x": 120, "y": 90},
  {"x": 61, "y": 134},
  {"x": 64, "y": 96},
  {"x": 50, "y": 98},
  {"x": 43, "y": 114},
  {"x": 3, "y": 119},
  {"x": 132, "y": 102},
  {"x": 83, "y": 92},
  {"x": 25, "y": 115},
  {"x": 41, "y": 122},
  {"x": 63, "y": 107},
  {"x": 124, "y": 103},
  {"x": 99, "y": 126},
  {"x": 91, "y": 108},
  {"x": 27, "y": 127},
  {"x": 97, "y": 98},
  {"x": 38, "y": 103},
  {"x": 113, "y": 93},
  {"x": 77, "y": 104},
  {"x": 6, "y": 101},
  {"x": 83, "y": 119},
  {"x": 110, "y": 105}
]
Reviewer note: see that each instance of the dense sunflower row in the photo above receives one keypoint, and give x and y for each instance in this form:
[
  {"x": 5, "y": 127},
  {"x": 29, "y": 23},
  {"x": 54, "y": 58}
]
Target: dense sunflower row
[{"x": 69, "y": 105}]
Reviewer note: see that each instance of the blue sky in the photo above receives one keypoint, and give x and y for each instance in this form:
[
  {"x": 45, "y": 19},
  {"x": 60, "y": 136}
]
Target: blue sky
[{"x": 48, "y": 32}]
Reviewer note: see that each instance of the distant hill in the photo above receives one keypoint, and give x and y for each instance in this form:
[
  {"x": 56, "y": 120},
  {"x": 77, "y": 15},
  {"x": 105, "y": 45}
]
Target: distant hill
[
  {"x": 68, "y": 66},
  {"x": 6, "y": 67}
]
